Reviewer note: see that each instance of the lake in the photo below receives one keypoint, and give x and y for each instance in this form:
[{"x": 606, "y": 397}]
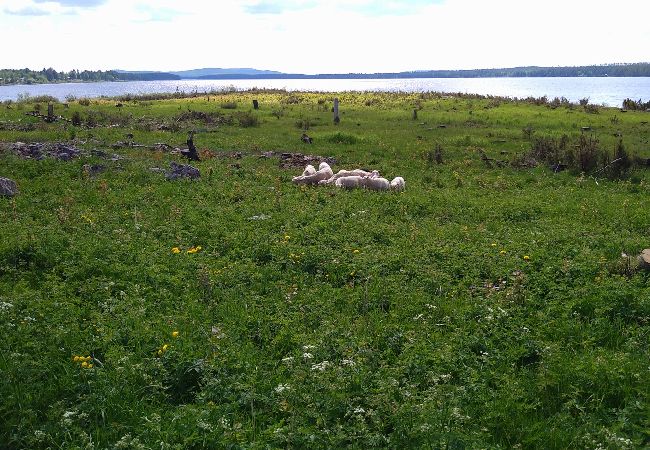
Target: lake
[{"x": 600, "y": 91}]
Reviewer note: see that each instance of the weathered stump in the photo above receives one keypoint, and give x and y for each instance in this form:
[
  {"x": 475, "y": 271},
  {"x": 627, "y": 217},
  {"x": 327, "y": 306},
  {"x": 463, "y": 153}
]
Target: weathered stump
[
  {"x": 256, "y": 104},
  {"x": 191, "y": 154},
  {"x": 336, "y": 111}
]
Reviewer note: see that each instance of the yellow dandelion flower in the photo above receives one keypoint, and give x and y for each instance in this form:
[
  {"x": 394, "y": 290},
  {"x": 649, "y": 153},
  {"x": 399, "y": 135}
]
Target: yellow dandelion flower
[
  {"x": 503, "y": 252},
  {"x": 160, "y": 352},
  {"x": 355, "y": 250},
  {"x": 165, "y": 347},
  {"x": 84, "y": 364},
  {"x": 175, "y": 334},
  {"x": 176, "y": 250},
  {"x": 287, "y": 237},
  {"x": 89, "y": 366},
  {"x": 198, "y": 248},
  {"x": 494, "y": 244},
  {"x": 88, "y": 358},
  {"x": 76, "y": 358},
  {"x": 526, "y": 258}
]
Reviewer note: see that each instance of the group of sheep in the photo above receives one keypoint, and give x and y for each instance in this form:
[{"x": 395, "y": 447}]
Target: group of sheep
[{"x": 348, "y": 179}]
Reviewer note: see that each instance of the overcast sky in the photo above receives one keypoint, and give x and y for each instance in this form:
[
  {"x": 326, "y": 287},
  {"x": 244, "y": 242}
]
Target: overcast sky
[{"x": 313, "y": 36}]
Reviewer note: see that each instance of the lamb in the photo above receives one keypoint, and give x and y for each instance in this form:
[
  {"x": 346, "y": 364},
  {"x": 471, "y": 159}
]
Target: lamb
[
  {"x": 398, "y": 184},
  {"x": 375, "y": 183},
  {"x": 309, "y": 170},
  {"x": 349, "y": 173},
  {"x": 324, "y": 172},
  {"x": 350, "y": 182}
]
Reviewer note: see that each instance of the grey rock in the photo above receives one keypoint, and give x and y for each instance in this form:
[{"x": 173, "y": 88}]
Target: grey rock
[
  {"x": 8, "y": 188},
  {"x": 182, "y": 171},
  {"x": 644, "y": 259}
]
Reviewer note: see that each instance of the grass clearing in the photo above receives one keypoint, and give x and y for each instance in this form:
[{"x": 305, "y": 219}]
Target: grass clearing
[{"x": 487, "y": 306}]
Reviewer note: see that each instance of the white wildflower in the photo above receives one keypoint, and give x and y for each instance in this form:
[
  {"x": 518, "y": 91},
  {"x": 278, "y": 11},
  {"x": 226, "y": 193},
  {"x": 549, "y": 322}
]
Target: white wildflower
[
  {"x": 5, "y": 307},
  {"x": 308, "y": 347},
  {"x": 321, "y": 366},
  {"x": 348, "y": 362},
  {"x": 280, "y": 388},
  {"x": 307, "y": 356}
]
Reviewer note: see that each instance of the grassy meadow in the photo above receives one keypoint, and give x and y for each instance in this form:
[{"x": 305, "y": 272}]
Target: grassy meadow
[{"x": 489, "y": 305}]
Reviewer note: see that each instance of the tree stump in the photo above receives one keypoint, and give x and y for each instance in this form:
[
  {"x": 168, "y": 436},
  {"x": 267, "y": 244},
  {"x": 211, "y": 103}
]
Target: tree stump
[
  {"x": 191, "y": 153},
  {"x": 336, "y": 111},
  {"x": 256, "y": 105}
]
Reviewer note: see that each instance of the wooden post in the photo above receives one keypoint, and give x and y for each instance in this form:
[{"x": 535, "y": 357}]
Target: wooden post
[
  {"x": 50, "y": 112},
  {"x": 336, "y": 111},
  {"x": 256, "y": 105},
  {"x": 415, "y": 114}
]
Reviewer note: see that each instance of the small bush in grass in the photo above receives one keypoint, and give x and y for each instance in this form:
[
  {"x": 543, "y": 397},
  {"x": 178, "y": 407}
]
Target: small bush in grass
[
  {"x": 229, "y": 105},
  {"x": 247, "y": 120},
  {"x": 84, "y": 101},
  {"x": 76, "y": 119},
  {"x": 342, "y": 138},
  {"x": 303, "y": 124}
]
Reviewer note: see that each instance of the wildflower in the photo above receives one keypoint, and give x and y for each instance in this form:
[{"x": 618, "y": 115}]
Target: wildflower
[
  {"x": 356, "y": 250},
  {"x": 281, "y": 388},
  {"x": 321, "y": 366},
  {"x": 84, "y": 364},
  {"x": 502, "y": 252},
  {"x": 526, "y": 258},
  {"x": 494, "y": 244},
  {"x": 307, "y": 356},
  {"x": 175, "y": 334},
  {"x": 165, "y": 347},
  {"x": 176, "y": 250},
  {"x": 287, "y": 237},
  {"x": 89, "y": 366},
  {"x": 76, "y": 358}
]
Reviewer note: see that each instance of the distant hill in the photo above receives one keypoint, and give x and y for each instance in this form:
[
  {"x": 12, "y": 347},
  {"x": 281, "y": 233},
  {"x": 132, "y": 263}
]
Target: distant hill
[
  {"x": 27, "y": 76},
  {"x": 209, "y": 72}
]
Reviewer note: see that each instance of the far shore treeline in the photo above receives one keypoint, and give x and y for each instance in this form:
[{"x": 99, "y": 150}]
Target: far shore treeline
[{"x": 27, "y": 76}]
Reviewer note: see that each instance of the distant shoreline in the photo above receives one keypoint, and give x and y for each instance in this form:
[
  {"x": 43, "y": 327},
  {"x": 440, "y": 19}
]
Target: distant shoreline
[{"x": 50, "y": 76}]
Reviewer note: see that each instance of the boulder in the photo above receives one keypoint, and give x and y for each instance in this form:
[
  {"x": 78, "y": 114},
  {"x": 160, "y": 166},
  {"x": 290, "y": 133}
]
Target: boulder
[
  {"x": 8, "y": 188},
  {"x": 182, "y": 171},
  {"x": 644, "y": 259}
]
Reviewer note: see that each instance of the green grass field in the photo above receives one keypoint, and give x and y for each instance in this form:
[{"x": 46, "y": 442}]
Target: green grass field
[{"x": 486, "y": 306}]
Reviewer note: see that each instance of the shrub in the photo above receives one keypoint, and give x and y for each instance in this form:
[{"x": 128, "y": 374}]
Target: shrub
[
  {"x": 76, "y": 119},
  {"x": 622, "y": 163},
  {"x": 229, "y": 105},
  {"x": 247, "y": 120},
  {"x": 84, "y": 101}
]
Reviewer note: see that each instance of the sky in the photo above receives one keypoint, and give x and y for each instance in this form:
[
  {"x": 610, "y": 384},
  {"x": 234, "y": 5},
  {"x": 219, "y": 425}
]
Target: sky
[{"x": 314, "y": 36}]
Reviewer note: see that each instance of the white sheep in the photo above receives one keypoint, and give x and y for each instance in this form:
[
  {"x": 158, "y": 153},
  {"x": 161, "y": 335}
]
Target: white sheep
[
  {"x": 398, "y": 184},
  {"x": 350, "y": 182},
  {"x": 375, "y": 183},
  {"x": 309, "y": 170},
  {"x": 349, "y": 173},
  {"x": 324, "y": 172}
]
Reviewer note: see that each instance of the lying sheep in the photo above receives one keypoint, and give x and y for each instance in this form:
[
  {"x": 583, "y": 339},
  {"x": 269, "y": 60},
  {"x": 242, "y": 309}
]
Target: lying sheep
[
  {"x": 309, "y": 170},
  {"x": 350, "y": 182},
  {"x": 398, "y": 184},
  {"x": 349, "y": 173},
  {"x": 324, "y": 172},
  {"x": 375, "y": 183}
]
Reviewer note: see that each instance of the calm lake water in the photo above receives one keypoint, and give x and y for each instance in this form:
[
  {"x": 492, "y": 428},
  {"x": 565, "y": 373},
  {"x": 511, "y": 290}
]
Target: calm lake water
[{"x": 606, "y": 91}]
